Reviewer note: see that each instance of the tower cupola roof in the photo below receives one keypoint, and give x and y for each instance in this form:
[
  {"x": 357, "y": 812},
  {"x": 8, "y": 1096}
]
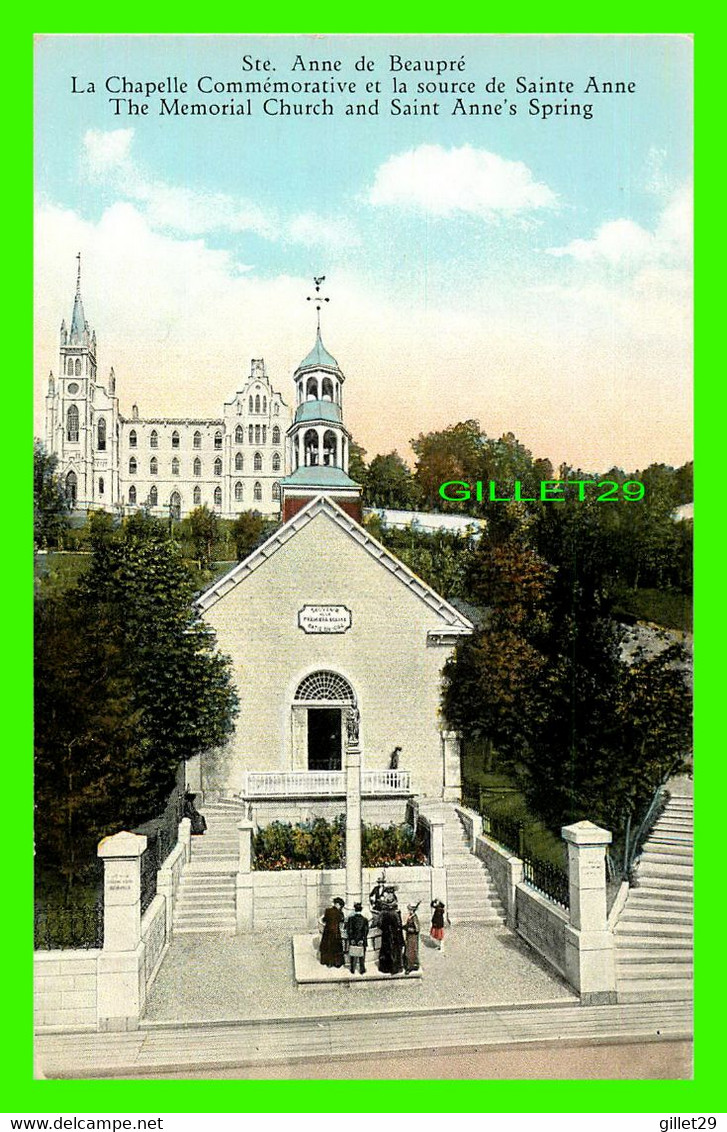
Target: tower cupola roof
[{"x": 318, "y": 356}]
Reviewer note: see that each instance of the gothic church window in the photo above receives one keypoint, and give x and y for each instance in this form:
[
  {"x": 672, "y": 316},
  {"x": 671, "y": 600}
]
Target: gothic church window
[
  {"x": 71, "y": 489},
  {"x": 153, "y": 466},
  {"x": 276, "y": 490},
  {"x": 132, "y": 438},
  {"x": 257, "y": 434},
  {"x": 276, "y": 462},
  {"x": 250, "y": 434},
  {"x": 101, "y": 435},
  {"x": 72, "y": 423},
  {"x": 197, "y": 439},
  {"x": 175, "y": 505},
  {"x": 153, "y": 497},
  {"x": 250, "y": 405},
  {"x": 218, "y": 467},
  {"x": 197, "y": 466},
  {"x": 78, "y": 367},
  {"x": 257, "y": 403},
  {"x": 218, "y": 497},
  {"x": 238, "y": 492},
  {"x": 276, "y": 435},
  {"x": 100, "y": 485},
  {"x": 69, "y": 367},
  {"x": 265, "y": 434},
  {"x": 257, "y": 463},
  {"x": 257, "y": 493},
  {"x": 197, "y": 496},
  {"x": 238, "y": 462},
  {"x": 239, "y": 435},
  {"x": 218, "y": 439},
  {"x": 132, "y": 495},
  {"x": 132, "y": 466},
  {"x": 153, "y": 439},
  {"x": 175, "y": 466},
  {"x": 265, "y": 404},
  {"x": 175, "y": 439}
]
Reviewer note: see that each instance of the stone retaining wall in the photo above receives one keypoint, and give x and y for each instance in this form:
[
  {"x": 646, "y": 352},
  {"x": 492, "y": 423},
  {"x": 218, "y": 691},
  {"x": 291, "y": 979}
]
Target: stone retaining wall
[
  {"x": 542, "y": 924},
  {"x": 65, "y": 985},
  {"x": 375, "y": 811}
]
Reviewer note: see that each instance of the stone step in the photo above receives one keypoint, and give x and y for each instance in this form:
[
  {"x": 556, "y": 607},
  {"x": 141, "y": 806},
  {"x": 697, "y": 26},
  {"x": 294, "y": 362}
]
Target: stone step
[
  {"x": 660, "y": 898},
  {"x": 661, "y": 883},
  {"x": 644, "y": 928},
  {"x": 215, "y": 929},
  {"x": 677, "y": 869},
  {"x": 648, "y": 990},
  {"x": 668, "y": 850},
  {"x": 641, "y": 957},
  {"x": 654, "y": 943},
  {"x": 655, "y": 915}
]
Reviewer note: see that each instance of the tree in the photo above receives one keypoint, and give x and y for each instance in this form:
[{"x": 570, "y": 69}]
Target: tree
[
  {"x": 357, "y": 469},
  {"x": 128, "y": 685},
  {"x": 204, "y": 530},
  {"x": 454, "y": 453},
  {"x": 50, "y": 507},
  {"x": 247, "y": 531},
  {"x": 389, "y": 483}
]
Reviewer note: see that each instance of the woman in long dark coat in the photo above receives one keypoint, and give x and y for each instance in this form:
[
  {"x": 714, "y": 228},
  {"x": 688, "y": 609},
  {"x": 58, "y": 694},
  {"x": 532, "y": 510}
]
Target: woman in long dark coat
[
  {"x": 411, "y": 934},
  {"x": 331, "y": 950},
  {"x": 392, "y": 941}
]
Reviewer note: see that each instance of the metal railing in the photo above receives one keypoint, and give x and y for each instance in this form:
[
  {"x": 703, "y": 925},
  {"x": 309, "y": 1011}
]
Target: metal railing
[
  {"x": 547, "y": 878},
  {"x": 58, "y": 928},
  {"x": 321, "y": 783}
]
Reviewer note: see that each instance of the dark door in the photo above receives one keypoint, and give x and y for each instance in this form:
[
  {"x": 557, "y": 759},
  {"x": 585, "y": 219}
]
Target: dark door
[{"x": 324, "y": 738}]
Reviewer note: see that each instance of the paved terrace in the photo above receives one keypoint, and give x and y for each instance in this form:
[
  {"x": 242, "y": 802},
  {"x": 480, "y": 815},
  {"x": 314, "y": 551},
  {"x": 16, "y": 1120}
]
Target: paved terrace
[{"x": 222, "y": 1002}]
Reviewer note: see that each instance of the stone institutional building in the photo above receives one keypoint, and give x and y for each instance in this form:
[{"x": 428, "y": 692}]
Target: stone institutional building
[{"x": 231, "y": 463}]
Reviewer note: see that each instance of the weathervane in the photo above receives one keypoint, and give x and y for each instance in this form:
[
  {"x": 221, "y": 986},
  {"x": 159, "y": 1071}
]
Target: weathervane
[
  {"x": 78, "y": 276},
  {"x": 318, "y": 298}
]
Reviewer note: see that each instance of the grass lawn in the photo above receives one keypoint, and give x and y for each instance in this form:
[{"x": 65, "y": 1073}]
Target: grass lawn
[{"x": 668, "y": 608}]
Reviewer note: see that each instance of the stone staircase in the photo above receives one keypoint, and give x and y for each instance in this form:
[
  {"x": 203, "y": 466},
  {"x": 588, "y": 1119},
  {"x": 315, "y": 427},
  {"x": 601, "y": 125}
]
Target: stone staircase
[
  {"x": 471, "y": 893},
  {"x": 206, "y": 897},
  {"x": 654, "y": 934}
]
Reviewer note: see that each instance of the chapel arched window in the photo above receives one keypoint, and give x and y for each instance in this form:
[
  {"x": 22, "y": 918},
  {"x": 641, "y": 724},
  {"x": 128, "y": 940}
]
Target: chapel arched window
[
  {"x": 218, "y": 439},
  {"x": 238, "y": 492},
  {"x": 175, "y": 439},
  {"x": 258, "y": 434},
  {"x": 101, "y": 435},
  {"x": 153, "y": 466},
  {"x": 132, "y": 466},
  {"x": 276, "y": 461},
  {"x": 239, "y": 435},
  {"x": 257, "y": 403},
  {"x": 153, "y": 497},
  {"x": 153, "y": 439},
  {"x": 218, "y": 497},
  {"x": 276, "y": 491},
  {"x": 132, "y": 495},
  {"x": 250, "y": 404},
  {"x": 132, "y": 438},
  {"x": 197, "y": 496},
  {"x": 72, "y": 423},
  {"x": 175, "y": 505},
  {"x": 197, "y": 466},
  {"x": 78, "y": 367},
  {"x": 257, "y": 463},
  {"x": 257, "y": 492},
  {"x": 238, "y": 462},
  {"x": 197, "y": 439},
  {"x": 276, "y": 435},
  {"x": 250, "y": 433},
  {"x": 218, "y": 467},
  {"x": 71, "y": 489},
  {"x": 175, "y": 466}
]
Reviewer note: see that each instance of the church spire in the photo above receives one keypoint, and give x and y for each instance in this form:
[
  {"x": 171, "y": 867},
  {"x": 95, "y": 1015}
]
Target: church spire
[{"x": 79, "y": 335}]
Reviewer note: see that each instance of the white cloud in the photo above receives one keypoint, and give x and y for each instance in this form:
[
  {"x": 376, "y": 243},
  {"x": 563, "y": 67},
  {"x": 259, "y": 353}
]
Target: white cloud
[
  {"x": 107, "y": 158},
  {"x": 443, "y": 182},
  {"x": 623, "y": 243}
]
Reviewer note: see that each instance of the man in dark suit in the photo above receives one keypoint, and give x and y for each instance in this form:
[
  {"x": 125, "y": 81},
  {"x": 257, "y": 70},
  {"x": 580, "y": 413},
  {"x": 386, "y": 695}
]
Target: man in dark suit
[{"x": 357, "y": 930}]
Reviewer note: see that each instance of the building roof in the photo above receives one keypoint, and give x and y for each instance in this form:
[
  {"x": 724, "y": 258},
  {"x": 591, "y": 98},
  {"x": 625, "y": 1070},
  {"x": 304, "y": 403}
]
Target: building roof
[
  {"x": 318, "y": 356},
  {"x": 318, "y": 411},
  {"x": 456, "y": 622},
  {"x": 318, "y": 475},
  {"x": 429, "y": 521}
]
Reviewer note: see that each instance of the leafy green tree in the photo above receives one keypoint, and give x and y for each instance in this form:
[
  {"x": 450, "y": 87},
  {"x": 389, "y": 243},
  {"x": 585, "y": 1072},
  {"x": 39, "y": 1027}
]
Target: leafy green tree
[
  {"x": 389, "y": 483},
  {"x": 247, "y": 532},
  {"x": 357, "y": 469},
  {"x": 204, "y": 529},
  {"x": 455, "y": 453},
  {"x": 50, "y": 507},
  {"x": 128, "y": 684}
]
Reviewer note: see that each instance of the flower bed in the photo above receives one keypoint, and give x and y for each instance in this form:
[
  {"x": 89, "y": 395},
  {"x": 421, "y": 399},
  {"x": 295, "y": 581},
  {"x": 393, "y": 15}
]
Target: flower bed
[{"x": 320, "y": 844}]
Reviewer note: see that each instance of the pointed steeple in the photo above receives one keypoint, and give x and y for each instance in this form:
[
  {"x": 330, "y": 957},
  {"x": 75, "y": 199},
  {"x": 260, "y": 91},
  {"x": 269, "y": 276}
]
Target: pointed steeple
[{"x": 79, "y": 335}]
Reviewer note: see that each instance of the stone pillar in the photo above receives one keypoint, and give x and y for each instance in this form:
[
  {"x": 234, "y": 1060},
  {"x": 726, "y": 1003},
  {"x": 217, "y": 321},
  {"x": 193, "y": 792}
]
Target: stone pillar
[
  {"x": 436, "y": 842},
  {"x": 590, "y": 962},
  {"x": 452, "y": 780},
  {"x": 121, "y": 981},
  {"x": 354, "y": 880},
  {"x": 184, "y": 836},
  {"x": 244, "y": 894}
]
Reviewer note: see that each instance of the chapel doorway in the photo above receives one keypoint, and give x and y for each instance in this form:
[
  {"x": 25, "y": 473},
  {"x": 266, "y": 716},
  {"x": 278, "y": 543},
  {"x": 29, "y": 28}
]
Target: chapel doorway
[{"x": 324, "y": 739}]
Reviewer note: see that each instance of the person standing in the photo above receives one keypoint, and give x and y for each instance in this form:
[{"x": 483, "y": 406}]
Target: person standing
[
  {"x": 357, "y": 930},
  {"x": 411, "y": 939},
  {"x": 392, "y": 937},
  {"x": 437, "y": 929},
  {"x": 331, "y": 949}
]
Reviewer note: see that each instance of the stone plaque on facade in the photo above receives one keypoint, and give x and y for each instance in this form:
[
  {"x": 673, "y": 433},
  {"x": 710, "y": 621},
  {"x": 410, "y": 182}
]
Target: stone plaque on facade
[{"x": 324, "y": 619}]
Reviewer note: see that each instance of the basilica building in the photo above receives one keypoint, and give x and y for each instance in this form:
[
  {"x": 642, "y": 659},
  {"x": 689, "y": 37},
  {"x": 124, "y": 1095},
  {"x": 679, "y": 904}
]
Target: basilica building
[{"x": 232, "y": 462}]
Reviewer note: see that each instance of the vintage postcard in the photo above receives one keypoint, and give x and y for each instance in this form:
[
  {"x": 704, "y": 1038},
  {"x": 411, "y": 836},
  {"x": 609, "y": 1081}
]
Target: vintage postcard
[{"x": 363, "y": 529}]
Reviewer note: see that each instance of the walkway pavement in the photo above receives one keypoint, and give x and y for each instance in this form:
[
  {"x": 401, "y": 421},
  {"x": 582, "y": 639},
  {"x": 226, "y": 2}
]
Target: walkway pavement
[{"x": 231, "y": 978}]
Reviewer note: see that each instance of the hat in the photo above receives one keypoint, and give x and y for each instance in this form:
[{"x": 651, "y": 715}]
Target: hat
[
  {"x": 357, "y": 907},
  {"x": 337, "y": 900},
  {"x": 412, "y": 907}
]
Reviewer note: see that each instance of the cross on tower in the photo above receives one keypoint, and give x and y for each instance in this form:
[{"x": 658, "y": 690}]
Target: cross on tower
[{"x": 318, "y": 298}]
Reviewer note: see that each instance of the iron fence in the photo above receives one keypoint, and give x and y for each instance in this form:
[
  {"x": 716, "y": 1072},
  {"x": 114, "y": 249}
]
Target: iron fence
[
  {"x": 509, "y": 832},
  {"x": 548, "y": 879},
  {"x": 57, "y": 928}
]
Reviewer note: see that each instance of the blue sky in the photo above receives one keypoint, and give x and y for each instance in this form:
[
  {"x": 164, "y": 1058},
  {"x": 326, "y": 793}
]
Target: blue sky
[{"x": 533, "y": 274}]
